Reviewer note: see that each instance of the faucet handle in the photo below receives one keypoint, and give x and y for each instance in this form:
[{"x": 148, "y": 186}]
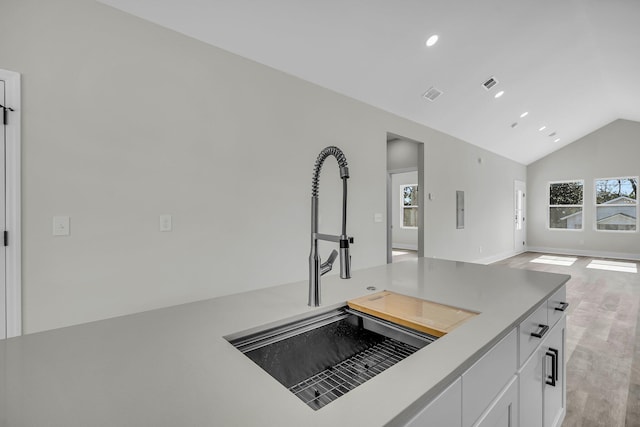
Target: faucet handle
[
  {"x": 326, "y": 266},
  {"x": 332, "y": 257}
]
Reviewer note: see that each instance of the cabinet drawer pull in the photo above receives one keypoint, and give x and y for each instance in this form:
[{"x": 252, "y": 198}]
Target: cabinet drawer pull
[
  {"x": 543, "y": 330},
  {"x": 563, "y": 306},
  {"x": 551, "y": 379}
]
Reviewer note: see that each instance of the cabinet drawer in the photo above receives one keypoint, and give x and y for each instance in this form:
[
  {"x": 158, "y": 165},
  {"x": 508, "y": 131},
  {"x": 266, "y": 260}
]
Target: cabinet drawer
[
  {"x": 536, "y": 323},
  {"x": 484, "y": 380},
  {"x": 556, "y": 306}
]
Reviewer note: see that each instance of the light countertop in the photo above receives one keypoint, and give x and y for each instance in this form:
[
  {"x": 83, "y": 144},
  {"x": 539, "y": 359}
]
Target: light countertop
[{"x": 173, "y": 367}]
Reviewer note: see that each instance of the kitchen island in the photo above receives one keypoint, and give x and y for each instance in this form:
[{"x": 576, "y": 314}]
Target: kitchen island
[{"x": 173, "y": 366}]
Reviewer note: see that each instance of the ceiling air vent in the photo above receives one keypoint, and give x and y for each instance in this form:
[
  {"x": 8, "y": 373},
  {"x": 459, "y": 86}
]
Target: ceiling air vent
[
  {"x": 491, "y": 82},
  {"x": 432, "y": 94}
]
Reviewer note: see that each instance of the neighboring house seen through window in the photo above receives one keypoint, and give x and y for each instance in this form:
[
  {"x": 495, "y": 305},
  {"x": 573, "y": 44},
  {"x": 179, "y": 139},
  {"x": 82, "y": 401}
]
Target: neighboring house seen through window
[
  {"x": 566, "y": 200},
  {"x": 409, "y": 206},
  {"x": 617, "y": 204}
]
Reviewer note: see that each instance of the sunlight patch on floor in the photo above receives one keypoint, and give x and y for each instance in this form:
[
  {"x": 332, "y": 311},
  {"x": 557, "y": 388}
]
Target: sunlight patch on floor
[
  {"x": 626, "y": 267},
  {"x": 555, "y": 260},
  {"x": 396, "y": 252}
]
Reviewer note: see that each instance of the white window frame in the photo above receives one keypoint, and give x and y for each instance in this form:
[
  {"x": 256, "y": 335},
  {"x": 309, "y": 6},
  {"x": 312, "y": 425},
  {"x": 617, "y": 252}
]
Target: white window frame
[
  {"x": 402, "y": 206},
  {"x": 595, "y": 204},
  {"x": 549, "y": 205}
]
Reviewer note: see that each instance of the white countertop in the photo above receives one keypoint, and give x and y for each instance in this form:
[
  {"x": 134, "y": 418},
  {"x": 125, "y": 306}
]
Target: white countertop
[{"x": 173, "y": 367}]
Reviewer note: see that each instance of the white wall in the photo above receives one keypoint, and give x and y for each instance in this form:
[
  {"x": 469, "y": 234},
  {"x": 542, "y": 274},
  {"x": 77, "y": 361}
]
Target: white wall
[
  {"x": 124, "y": 121},
  {"x": 611, "y": 151},
  {"x": 488, "y": 184},
  {"x": 402, "y": 238}
]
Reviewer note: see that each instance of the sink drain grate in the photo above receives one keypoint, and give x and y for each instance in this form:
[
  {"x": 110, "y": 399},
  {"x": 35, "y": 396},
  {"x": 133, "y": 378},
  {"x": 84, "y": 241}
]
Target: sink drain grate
[{"x": 333, "y": 382}]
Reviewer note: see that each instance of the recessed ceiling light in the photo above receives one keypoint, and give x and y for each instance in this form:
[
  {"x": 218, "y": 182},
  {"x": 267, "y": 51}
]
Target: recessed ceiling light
[
  {"x": 556, "y": 140},
  {"x": 525, "y": 114},
  {"x": 499, "y": 94},
  {"x": 514, "y": 124},
  {"x": 432, "y": 40},
  {"x": 542, "y": 128},
  {"x": 552, "y": 134}
]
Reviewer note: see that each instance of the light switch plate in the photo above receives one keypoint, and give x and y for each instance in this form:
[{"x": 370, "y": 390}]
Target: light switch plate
[
  {"x": 166, "y": 223},
  {"x": 377, "y": 217},
  {"x": 61, "y": 226}
]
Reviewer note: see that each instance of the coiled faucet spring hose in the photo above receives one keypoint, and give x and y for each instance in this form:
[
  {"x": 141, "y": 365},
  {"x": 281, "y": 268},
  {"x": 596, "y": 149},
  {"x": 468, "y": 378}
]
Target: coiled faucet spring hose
[
  {"x": 342, "y": 162},
  {"x": 344, "y": 174}
]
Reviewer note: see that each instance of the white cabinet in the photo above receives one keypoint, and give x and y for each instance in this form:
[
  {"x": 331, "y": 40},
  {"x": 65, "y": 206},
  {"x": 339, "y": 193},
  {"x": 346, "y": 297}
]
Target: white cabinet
[
  {"x": 444, "y": 410},
  {"x": 520, "y": 381},
  {"x": 542, "y": 382},
  {"x": 503, "y": 412},
  {"x": 482, "y": 382},
  {"x": 482, "y": 395}
]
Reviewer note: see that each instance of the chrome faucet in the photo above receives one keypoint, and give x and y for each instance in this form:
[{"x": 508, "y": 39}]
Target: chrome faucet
[{"x": 316, "y": 268}]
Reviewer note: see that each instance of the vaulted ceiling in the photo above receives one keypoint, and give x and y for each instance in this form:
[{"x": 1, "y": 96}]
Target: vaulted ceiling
[{"x": 572, "y": 65}]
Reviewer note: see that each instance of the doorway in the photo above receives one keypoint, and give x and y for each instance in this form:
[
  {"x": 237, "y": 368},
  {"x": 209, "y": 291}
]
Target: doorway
[
  {"x": 520, "y": 213},
  {"x": 405, "y": 200},
  {"x": 10, "y": 261}
]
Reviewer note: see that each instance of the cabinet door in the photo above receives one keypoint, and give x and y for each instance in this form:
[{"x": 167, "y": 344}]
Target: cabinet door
[
  {"x": 483, "y": 381},
  {"x": 554, "y": 373},
  {"x": 444, "y": 410},
  {"x": 504, "y": 410},
  {"x": 532, "y": 389}
]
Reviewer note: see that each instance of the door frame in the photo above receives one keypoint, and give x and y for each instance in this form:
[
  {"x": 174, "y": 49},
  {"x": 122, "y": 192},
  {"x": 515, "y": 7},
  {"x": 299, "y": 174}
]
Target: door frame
[
  {"x": 520, "y": 185},
  {"x": 13, "y": 270},
  {"x": 421, "y": 206}
]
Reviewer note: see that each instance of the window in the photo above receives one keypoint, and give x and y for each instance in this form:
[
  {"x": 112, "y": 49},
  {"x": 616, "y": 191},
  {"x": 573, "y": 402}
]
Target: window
[
  {"x": 566, "y": 199},
  {"x": 409, "y": 206},
  {"x": 617, "y": 204}
]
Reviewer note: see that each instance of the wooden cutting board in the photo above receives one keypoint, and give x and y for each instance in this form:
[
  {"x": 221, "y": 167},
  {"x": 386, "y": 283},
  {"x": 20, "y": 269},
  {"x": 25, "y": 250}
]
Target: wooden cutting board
[{"x": 422, "y": 315}]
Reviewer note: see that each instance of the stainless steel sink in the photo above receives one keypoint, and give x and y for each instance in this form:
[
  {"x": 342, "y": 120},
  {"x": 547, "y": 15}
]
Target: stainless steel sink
[{"x": 322, "y": 357}]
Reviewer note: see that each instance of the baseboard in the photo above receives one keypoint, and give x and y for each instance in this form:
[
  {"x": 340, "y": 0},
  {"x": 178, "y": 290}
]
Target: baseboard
[
  {"x": 497, "y": 257},
  {"x": 406, "y": 246},
  {"x": 582, "y": 252},
  {"x": 562, "y": 414}
]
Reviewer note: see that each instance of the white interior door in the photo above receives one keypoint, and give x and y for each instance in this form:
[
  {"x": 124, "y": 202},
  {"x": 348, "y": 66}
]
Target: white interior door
[
  {"x": 520, "y": 209},
  {"x": 3, "y": 249}
]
